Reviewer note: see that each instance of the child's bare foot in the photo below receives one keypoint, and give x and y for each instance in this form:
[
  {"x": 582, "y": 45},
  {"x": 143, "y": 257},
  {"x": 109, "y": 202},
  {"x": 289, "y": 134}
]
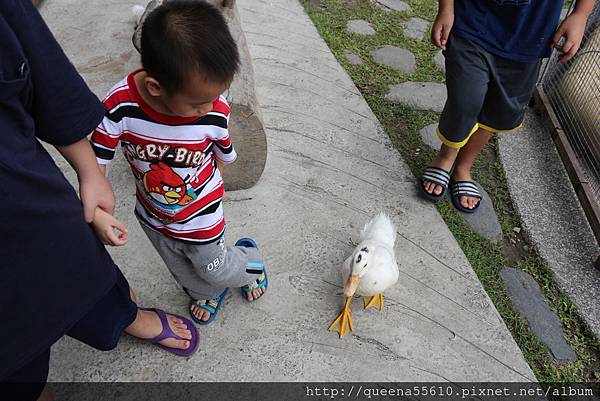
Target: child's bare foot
[
  {"x": 444, "y": 160},
  {"x": 148, "y": 325},
  {"x": 462, "y": 174}
]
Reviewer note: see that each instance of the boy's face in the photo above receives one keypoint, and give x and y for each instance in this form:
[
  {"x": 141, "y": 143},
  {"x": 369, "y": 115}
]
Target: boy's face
[{"x": 196, "y": 97}]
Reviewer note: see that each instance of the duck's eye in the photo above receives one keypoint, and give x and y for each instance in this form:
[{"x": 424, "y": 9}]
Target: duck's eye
[
  {"x": 358, "y": 258},
  {"x": 365, "y": 249}
]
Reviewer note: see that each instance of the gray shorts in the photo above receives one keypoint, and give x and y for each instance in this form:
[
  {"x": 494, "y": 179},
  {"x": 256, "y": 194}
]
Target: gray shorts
[
  {"x": 205, "y": 270},
  {"x": 484, "y": 91}
]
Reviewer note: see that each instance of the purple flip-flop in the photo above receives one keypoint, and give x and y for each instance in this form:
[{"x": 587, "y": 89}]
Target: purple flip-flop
[{"x": 168, "y": 333}]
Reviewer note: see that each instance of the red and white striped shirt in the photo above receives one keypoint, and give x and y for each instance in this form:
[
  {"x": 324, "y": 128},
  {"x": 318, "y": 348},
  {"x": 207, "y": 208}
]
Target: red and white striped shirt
[{"x": 178, "y": 186}]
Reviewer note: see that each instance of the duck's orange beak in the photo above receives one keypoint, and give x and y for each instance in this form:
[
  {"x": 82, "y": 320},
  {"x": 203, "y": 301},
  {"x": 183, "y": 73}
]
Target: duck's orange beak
[{"x": 351, "y": 285}]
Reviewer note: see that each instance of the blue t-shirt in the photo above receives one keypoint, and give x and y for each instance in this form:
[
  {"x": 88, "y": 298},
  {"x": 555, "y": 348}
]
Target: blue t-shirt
[
  {"x": 53, "y": 269},
  {"x": 519, "y": 30}
]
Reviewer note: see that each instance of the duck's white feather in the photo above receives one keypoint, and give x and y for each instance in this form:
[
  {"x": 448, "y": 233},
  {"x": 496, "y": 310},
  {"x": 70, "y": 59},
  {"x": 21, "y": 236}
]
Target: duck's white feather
[
  {"x": 377, "y": 252},
  {"x": 136, "y": 13},
  {"x": 382, "y": 275},
  {"x": 379, "y": 229}
]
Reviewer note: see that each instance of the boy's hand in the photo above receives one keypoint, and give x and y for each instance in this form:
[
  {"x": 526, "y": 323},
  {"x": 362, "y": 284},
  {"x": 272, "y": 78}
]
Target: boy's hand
[
  {"x": 572, "y": 28},
  {"x": 96, "y": 192},
  {"x": 105, "y": 224},
  {"x": 441, "y": 28}
]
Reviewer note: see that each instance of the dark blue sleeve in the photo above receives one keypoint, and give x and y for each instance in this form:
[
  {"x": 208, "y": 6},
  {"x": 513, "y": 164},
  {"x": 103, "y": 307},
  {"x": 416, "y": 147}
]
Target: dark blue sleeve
[{"x": 62, "y": 106}]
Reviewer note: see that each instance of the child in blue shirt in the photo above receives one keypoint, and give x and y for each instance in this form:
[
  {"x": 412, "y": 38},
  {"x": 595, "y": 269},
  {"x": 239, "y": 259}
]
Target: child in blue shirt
[{"x": 493, "y": 51}]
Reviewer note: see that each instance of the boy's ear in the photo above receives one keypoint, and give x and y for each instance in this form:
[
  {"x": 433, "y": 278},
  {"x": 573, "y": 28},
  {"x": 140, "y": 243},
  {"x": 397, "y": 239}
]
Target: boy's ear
[{"x": 152, "y": 86}]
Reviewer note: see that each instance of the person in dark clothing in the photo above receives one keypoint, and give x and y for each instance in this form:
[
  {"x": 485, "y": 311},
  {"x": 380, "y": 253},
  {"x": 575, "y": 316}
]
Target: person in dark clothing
[{"x": 56, "y": 276}]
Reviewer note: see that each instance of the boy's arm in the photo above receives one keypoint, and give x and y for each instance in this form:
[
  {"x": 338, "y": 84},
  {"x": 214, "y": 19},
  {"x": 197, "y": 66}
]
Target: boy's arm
[
  {"x": 443, "y": 24},
  {"x": 105, "y": 225},
  {"x": 572, "y": 29},
  {"x": 94, "y": 188}
]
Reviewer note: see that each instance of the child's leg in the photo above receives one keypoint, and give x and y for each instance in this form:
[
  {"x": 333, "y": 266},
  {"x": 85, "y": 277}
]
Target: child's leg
[
  {"x": 222, "y": 267},
  {"x": 510, "y": 88},
  {"x": 173, "y": 253},
  {"x": 467, "y": 83},
  {"x": 465, "y": 159},
  {"x": 218, "y": 267}
]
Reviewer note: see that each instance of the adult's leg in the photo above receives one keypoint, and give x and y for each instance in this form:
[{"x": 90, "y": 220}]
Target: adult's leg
[
  {"x": 28, "y": 383},
  {"x": 116, "y": 312},
  {"x": 46, "y": 394}
]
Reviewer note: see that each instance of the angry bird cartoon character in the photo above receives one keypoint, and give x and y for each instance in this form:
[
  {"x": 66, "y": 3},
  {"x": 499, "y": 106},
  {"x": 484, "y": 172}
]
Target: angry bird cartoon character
[{"x": 165, "y": 186}]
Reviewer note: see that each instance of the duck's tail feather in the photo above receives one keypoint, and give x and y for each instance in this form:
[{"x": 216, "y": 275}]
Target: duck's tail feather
[
  {"x": 381, "y": 229},
  {"x": 136, "y": 13}
]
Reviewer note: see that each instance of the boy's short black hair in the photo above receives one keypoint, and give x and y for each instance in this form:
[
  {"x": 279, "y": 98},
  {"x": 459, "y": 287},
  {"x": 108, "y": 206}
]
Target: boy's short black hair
[{"x": 182, "y": 37}]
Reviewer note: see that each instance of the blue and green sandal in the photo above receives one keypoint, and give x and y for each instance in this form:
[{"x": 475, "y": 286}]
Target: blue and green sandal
[
  {"x": 253, "y": 267},
  {"x": 210, "y": 305}
]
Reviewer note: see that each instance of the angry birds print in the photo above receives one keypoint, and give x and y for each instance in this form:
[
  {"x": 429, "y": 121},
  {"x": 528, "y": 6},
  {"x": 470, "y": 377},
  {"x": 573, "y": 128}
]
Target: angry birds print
[{"x": 166, "y": 186}]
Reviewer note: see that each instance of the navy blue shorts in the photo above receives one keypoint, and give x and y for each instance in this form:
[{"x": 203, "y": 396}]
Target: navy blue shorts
[
  {"x": 484, "y": 91},
  {"x": 100, "y": 328}
]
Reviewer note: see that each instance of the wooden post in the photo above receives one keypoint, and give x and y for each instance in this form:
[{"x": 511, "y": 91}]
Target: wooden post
[{"x": 245, "y": 123}]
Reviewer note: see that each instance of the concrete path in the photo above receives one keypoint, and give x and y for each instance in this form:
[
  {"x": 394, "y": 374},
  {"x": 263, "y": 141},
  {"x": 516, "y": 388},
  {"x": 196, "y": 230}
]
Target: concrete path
[
  {"x": 330, "y": 168},
  {"x": 551, "y": 214}
]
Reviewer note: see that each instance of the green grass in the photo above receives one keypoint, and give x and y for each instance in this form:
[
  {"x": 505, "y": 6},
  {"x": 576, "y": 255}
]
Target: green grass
[{"x": 402, "y": 125}]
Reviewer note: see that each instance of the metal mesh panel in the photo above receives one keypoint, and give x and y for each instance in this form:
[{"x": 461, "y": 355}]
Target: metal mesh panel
[{"x": 573, "y": 90}]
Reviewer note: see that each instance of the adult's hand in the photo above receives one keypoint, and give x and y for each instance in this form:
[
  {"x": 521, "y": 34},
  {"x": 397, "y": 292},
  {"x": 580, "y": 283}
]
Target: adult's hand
[
  {"x": 94, "y": 188},
  {"x": 95, "y": 191}
]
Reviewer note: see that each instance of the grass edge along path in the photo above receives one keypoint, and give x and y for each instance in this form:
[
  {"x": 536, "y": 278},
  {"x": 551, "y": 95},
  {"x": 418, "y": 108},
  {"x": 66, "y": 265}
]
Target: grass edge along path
[{"x": 402, "y": 125}]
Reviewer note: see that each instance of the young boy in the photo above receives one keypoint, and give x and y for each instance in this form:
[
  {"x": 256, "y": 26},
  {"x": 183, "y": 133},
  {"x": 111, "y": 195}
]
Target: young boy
[
  {"x": 493, "y": 51},
  {"x": 171, "y": 121}
]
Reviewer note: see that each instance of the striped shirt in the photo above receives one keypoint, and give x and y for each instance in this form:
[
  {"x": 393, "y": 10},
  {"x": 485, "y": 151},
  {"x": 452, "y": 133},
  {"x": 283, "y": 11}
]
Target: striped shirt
[{"x": 178, "y": 186}]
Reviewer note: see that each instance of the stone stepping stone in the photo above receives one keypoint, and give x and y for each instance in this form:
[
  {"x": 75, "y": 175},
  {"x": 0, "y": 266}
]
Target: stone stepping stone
[
  {"x": 360, "y": 27},
  {"x": 394, "y": 5},
  {"x": 429, "y": 136},
  {"x": 415, "y": 28},
  {"x": 395, "y": 57},
  {"x": 419, "y": 95},
  {"x": 440, "y": 61},
  {"x": 352, "y": 58},
  {"x": 484, "y": 221},
  {"x": 529, "y": 301}
]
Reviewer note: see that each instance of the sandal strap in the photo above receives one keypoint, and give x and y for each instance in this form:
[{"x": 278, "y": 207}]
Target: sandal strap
[
  {"x": 166, "y": 329},
  {"x": 436, "y": 175},
  {"x": 256, "y": 284},
  {"x": 255, "y": 268},
  {"x": 210, "y": 305},
  {"x": 466, "y": 188}
]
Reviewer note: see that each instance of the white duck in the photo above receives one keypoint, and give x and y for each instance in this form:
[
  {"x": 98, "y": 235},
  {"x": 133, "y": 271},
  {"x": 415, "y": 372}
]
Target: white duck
[{"x": 370, "y": 270}]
